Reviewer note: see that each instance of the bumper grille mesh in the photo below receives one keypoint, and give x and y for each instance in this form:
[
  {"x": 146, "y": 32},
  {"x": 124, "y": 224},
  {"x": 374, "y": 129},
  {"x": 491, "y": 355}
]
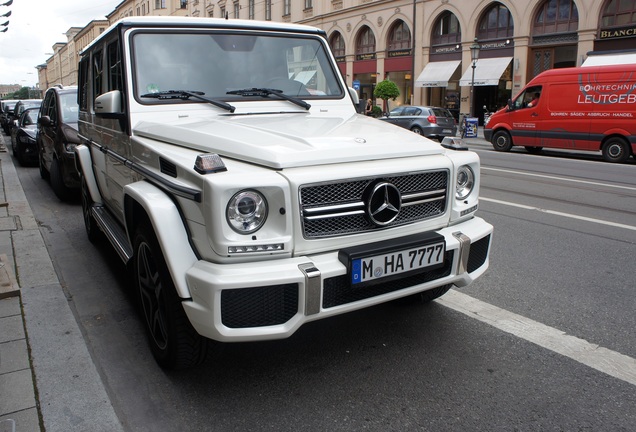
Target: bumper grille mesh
[
  {"x": 259, "y": 306},
  {"x": 478, "y": 253},
  {"x": 338, "y": 290}
]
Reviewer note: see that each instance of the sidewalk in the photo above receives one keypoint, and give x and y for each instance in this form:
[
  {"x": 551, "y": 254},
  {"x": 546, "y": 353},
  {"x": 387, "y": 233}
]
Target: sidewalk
[{"x": 48, "y": 381}]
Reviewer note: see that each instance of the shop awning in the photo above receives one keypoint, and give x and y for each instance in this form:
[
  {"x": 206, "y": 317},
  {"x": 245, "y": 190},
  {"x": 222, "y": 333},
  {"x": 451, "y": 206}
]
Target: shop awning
[
  {"x": 437, "y": 74},
  {"x": 610, "y": 59},
  {"x": 487, "y": 72}
]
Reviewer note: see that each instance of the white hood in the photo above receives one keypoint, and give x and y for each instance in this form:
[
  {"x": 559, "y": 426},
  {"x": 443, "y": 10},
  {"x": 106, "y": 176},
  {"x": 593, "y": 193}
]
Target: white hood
[{"x": 292, "y": 139}]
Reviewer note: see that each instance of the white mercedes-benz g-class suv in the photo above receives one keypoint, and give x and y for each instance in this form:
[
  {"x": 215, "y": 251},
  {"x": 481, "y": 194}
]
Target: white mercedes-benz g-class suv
[{"x": 225, "y": 162}]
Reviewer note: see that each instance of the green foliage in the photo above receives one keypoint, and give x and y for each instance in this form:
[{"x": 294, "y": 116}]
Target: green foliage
[
  {"x": 376, "y": 111},
  {"x": 23, "y": 93},
  {"x": 386, "y": 90}
]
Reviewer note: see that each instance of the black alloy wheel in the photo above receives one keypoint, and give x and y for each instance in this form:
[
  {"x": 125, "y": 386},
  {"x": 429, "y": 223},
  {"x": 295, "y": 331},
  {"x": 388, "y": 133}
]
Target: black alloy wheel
[{"x": 174, "y": 343}]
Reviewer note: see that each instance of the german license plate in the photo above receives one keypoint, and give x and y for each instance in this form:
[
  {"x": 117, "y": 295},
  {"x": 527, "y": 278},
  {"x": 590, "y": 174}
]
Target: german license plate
[
  {"x": 446, "y": 131},
  {"x": 376, "y": 267}
]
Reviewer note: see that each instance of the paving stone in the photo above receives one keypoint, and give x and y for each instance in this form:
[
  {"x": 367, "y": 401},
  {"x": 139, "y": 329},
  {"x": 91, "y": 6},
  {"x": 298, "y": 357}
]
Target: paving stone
[
  {"x": 19, "y": 387},
  {"x": 12, "y": 328},
  {"x": 14, "y": 356}
]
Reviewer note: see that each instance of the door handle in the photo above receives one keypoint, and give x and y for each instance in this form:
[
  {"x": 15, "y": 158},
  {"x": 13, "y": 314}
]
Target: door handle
[{"x": 534, "y": 114}]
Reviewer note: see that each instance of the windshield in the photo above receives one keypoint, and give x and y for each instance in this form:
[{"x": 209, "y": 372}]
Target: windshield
[{"x": 217, "y": 63}]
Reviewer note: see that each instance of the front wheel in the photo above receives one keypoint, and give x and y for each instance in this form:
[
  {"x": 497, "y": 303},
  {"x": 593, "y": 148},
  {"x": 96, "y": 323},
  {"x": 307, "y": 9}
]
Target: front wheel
[
  {"x": 44, "y": 173},
  {"x": 57, "y": 181},
  {"x": 616, "y": 150},
  {"x": 174, "y": 343},
  {"x": 502, "y": 141},
  {"x": 92, "y": 230}
]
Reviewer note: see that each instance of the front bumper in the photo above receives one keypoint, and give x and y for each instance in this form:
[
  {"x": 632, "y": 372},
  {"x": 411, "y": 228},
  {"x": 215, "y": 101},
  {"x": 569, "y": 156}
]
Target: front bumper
[
  {"x": 272, "y": 299},
  {"x": 488, "y": 134}
]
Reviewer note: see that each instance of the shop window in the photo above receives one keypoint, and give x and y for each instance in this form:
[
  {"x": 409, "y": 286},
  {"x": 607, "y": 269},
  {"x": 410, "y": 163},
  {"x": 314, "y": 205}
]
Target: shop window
[
  {"x": 365, "y": 45},
  {"x": 618, "y": 13},
  {"x": 399, "y": 37},
  {"x": 446, "y": 30},
  {"x": 556, "y": 16},
  {"x": 337, "y": 45},
  {"x": 496, "y": 23}
]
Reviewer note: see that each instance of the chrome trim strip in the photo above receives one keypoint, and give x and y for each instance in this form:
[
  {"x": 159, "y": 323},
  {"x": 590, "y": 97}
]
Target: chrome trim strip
[
  {"x": 417, "y": 195},
  {"x": 336, "y": 207},
  {"x": 333, "y": 215},
  {"x": 464, "y": 251},
  {"x": 313, "y": 283},
  {"x": 410, "y": 203}
]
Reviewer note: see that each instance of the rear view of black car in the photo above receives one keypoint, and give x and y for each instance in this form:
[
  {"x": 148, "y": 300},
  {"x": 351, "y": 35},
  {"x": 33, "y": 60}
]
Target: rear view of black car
[
  {"x": 57, "y": 138},
  {"x": 23, "y": 137}
]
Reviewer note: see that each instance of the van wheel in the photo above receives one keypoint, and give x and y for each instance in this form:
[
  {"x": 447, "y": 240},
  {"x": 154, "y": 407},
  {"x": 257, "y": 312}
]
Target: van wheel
[
  {"x": 534, "y": 150},
  {"x": 616, "y": 150},
  {"x": 501, "y": 141},
  {"x": 174, "y": 343}
]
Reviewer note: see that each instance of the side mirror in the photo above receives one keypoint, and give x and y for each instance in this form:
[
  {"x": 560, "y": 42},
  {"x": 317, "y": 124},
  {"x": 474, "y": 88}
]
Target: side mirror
[
  {"x": 509, "y": 104},
  {"x": 354, "y": 96},
  {"x": 45, "y": 121},
  {"x": 109, "y": 104}
]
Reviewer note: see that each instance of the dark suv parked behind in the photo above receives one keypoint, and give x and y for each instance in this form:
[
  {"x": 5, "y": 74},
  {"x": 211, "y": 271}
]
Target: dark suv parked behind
[
  {"x": 431, "y": 122},
  {"x": 57, "y": 139}
]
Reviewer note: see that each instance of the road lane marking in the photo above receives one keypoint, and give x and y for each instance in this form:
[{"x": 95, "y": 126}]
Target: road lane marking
[
  {"x": 557, "y": 213},
  {"x": 597, "y": 357},
  {"x": 559, "y": 178}
]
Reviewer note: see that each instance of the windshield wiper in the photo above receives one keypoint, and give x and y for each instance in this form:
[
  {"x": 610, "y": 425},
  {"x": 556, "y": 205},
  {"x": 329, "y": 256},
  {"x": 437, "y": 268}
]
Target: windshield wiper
[
  {"x": 187, "y": 94},
  {"x": 265, "y": 92}
]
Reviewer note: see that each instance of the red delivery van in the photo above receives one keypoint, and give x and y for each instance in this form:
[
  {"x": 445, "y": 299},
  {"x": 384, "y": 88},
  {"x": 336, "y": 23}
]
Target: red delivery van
[{"x": 584, "y": 108}]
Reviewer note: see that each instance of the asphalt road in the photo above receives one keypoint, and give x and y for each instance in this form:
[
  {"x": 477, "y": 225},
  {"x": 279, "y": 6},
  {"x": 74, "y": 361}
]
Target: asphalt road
[{"x": 544, "y": 341}]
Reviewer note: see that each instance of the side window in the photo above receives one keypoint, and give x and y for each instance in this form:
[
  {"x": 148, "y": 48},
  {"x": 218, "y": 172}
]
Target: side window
[
  {"x": 82, "y": 93},
  {"x": 46, "y": 105},
  {"x": 98, "y": 73},
  {"x": 529, "y": 98},
  {"x": 115, "y": 69},
  {"x": 53, "y": 108}
]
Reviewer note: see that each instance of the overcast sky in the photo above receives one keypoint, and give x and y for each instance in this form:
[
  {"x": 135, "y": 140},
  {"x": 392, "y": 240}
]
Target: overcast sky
[{"x": 34, "y": 27}]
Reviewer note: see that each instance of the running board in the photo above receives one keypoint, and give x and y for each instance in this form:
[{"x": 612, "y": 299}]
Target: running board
[{"x": 114, "y": 232}]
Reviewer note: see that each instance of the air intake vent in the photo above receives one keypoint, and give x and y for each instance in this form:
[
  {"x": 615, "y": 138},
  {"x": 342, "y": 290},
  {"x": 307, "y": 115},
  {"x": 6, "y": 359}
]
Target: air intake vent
[{"x": 168, "y": 168}]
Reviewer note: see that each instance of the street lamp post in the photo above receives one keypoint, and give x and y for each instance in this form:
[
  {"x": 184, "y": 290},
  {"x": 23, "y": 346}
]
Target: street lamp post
[{"x": 474, "y": 56}]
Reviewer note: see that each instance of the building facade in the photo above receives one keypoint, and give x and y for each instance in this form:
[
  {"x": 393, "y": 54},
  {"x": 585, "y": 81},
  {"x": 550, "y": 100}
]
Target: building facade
[{"x": 424, "y": 46}]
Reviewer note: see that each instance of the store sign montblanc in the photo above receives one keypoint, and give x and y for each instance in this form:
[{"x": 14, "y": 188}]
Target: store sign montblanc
[{"x": 618, "y": 33}]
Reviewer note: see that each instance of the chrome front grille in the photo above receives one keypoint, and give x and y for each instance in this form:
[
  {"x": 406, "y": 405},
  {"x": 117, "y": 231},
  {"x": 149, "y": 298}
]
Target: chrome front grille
[{"x": 341, "y": 207}]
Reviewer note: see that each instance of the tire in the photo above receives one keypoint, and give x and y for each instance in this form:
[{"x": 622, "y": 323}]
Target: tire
[
  {"x": 57, "y": 182},
  {"x": 534, "y": 150},
  {"x": 501, "y": 141},
  {"x": 616, "y": 150},
  {"x": 92, "y": 229},
  {"x": 418, "y": 130},
  {"x": 426, "y": 296},
  {"x": 173, "y": 341},
  {"x": 44, "y": 173}
]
